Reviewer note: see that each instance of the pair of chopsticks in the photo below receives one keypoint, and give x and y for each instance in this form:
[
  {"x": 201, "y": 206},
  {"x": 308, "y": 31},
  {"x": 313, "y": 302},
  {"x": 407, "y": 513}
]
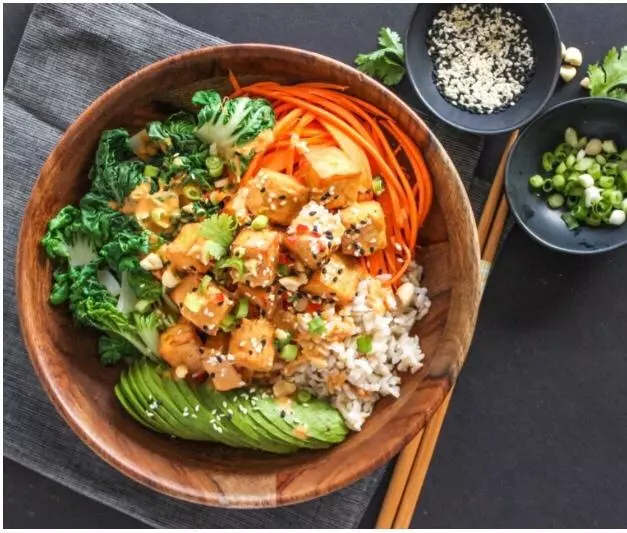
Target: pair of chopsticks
[{"x": 412, "y": 464}]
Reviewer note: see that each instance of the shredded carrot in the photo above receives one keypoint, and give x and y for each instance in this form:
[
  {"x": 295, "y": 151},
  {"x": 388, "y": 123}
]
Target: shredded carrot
[
  {"x": 233, "y": 81},
  {"x": 323, "y": 114}
]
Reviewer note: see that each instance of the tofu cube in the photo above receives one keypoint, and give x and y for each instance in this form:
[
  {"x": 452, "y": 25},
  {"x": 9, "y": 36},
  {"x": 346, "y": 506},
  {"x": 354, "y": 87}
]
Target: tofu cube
[
  {"x": 336, "y": 280},
  {"x": 314, "y": 234},
  {"x": 236, "y": 206},
  {"x": 333, "y": 178},
  {"x": 260, "y": 251},
  {"x": 204, "y": 304},
  {"x": 185, "y": 251},
  {"x": 276, "y": 195},
  {"x": 180, "y": 345},
  {"x": 365, "y": 229},
  {"x": 251, "y": 345},
  {"x": 264, "y": 298}
]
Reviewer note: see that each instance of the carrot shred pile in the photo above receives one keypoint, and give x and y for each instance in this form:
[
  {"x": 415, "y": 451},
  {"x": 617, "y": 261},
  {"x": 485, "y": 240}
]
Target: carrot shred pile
[{"x": 322, "y": 114}]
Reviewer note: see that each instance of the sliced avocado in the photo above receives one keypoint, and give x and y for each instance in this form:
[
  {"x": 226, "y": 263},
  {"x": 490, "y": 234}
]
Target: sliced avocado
[
  {"x": 279, "y": 429},
  {"x": 241, "y": 420},
  {"x": 139, "y": 400},
  {"x": 319, "y": 418},
  {"x": 204, "y": 395},
  {"x": 209, "y": 419},
  {"x": 170, "y": 402},
  {"x": 130, "y": 409}
]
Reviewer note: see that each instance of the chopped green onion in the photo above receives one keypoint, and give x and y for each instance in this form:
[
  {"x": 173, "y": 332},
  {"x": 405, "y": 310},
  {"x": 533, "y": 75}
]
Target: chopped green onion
[
  {"x": 606, "y": 182},
  {"x": 215, "y": 166},
  {"x": 570, "y": 221},
  {"x": 289, "y": 352},
  {"x": 192, "y": 192},
  {"x": 600, "y": 159},
  {"x": 536, "y": 182},
  {"x": 581, "y": 143},
  {"x": 561, "y": 168},
  {"x": 572, "y": 201},
  {"x": 623, "y": 155},
  {"x": 570, "y": 136},
  {"x": 204, "y": 284},
  {"x": 548, "y": 160},
  {"x": 547, "y": 186},
  {"x": 562, "y": 151},
  {"x": 593, "y": 220},
  {"x": 364, "y": 344},
  {"x": 579, "y": 212},
  {"x": 559, "y": 182},
  {"x": 241, "y": 311},
  {"x": 571, "y": 160},
  {"x": 283, "y": 270},
  {"x": 378, "y": 187},
  {"x": 151, "y": 171},
  {"x": 610, "y": 169},
  {"x": 583, "y": 164},
  {"x": 316, "y": 326},
  {"x": 259, "y": 222},
  {"x": 555, "y": 201},
  {"x": 303, "y": 396},
  {"x": 609, "y": 147},
  {"x": 279, "y": 343},
  {"x": 228, "y": 323}
]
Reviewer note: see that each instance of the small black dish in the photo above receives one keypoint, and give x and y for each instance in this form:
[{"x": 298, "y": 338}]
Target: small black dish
[
  {"x": 544, "y": 35},
  {"x": 603, "y": 118}
]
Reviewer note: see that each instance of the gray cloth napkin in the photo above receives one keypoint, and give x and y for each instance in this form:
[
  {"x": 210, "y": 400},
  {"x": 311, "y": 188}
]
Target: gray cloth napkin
[{"x": 69, "y": 55}]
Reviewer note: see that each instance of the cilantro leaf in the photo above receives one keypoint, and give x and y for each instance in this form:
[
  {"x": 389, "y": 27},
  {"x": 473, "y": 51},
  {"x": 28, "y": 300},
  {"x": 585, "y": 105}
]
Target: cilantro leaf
[
  {"x": 610, "y": 78},
  {"x": 387, "y": 63},
  {"x": 219, "y": 230}
]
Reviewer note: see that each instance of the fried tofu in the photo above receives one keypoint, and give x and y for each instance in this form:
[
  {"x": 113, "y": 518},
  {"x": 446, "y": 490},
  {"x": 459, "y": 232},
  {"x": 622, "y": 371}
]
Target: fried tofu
[
  {"x": 252, "y": 345},
  {"x": 264, "y": 298},
  {"x": 260, "y": 251},
  {"x": 334, "y": 179},
  {"x": 314, "y": 234},
  {"x": 276, "y": 195},
  {"x": 181, "y": 345},
  {"x": 185, "y": 251},
  {"x": 337, "y": 279},
  {"x": 204, "y": 306},
  {"x": 236, "y": 206},
  {"x": 365, "y": 229}
]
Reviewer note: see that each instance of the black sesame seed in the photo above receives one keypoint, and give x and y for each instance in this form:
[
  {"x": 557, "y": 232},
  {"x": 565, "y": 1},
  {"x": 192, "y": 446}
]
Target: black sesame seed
[
  {"x": 282, "y": 414},
  {"x": 312, "y": 213}
]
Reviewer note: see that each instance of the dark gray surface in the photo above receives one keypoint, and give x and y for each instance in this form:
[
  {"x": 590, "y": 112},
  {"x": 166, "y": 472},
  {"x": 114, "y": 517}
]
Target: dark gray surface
[{"x": 537, "y": 429}]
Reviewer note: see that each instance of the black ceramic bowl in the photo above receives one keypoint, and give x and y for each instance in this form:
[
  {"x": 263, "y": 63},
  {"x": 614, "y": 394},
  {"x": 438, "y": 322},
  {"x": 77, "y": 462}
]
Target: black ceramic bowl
[
  {"x": 544, "y": 35},
  {"x": 603, "y": 118}
]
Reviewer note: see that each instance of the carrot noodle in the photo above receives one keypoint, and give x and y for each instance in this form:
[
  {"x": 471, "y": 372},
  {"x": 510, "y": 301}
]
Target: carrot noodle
[
  {"x": 322, "y": 114},
  {"x": 233, "y": 81}
]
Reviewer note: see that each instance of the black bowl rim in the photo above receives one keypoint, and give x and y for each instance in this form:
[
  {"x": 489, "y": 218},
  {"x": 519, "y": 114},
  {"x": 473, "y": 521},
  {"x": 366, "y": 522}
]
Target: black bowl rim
[
  {"x": 574, "y": 102},
  {"x": 477, "y": 131}
]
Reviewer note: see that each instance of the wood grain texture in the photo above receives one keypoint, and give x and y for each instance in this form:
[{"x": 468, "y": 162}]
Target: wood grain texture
[{"x": 64, "y": 357}]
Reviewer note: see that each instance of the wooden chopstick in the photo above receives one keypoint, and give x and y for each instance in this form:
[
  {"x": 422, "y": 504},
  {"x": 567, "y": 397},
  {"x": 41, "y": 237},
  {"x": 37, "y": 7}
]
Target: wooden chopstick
[{"x": 413, "y": 462}]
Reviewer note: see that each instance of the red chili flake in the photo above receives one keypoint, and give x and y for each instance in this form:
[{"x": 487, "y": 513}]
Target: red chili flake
[
  {"x": 200, "y": 376},
  {"x": 284, "y": 259},
  {"x": 313, "y": 307},
  {"x": 315, "y": 234},
  {"x": 219, "y": 298},
  {"x": 302, "y": 229}
]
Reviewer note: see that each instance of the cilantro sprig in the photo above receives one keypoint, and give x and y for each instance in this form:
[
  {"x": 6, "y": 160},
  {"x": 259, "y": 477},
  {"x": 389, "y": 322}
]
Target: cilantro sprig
[
  {"x": 610, "y": 77},
  {"x": 387, "y": 63}
]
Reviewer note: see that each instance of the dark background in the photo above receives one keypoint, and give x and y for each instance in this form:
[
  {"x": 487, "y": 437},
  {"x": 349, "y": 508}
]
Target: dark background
[{"x": 536, "y": 435}]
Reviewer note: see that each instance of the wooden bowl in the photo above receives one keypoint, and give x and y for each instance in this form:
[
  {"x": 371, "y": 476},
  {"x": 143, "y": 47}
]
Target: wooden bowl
[{"x": 64, "y": 356}]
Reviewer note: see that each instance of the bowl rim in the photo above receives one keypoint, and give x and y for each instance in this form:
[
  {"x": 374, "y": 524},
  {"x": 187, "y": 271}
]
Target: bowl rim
[
  {"x": 479, "y": 131},
  {"x": 508, "y": 177},
  {"x": 130, "y": 468}
]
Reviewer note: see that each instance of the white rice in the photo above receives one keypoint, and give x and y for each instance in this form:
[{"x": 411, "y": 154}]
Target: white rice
[{"x": 371, "y": 376}]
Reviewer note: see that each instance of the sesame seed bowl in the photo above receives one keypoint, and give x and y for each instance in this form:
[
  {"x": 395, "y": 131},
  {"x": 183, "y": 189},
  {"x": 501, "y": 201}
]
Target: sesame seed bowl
[{"x": 483, "y": 69}]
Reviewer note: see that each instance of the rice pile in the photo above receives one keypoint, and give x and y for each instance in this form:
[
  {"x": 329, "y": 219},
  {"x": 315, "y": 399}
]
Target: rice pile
[{"x": 353, "y": 381}]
